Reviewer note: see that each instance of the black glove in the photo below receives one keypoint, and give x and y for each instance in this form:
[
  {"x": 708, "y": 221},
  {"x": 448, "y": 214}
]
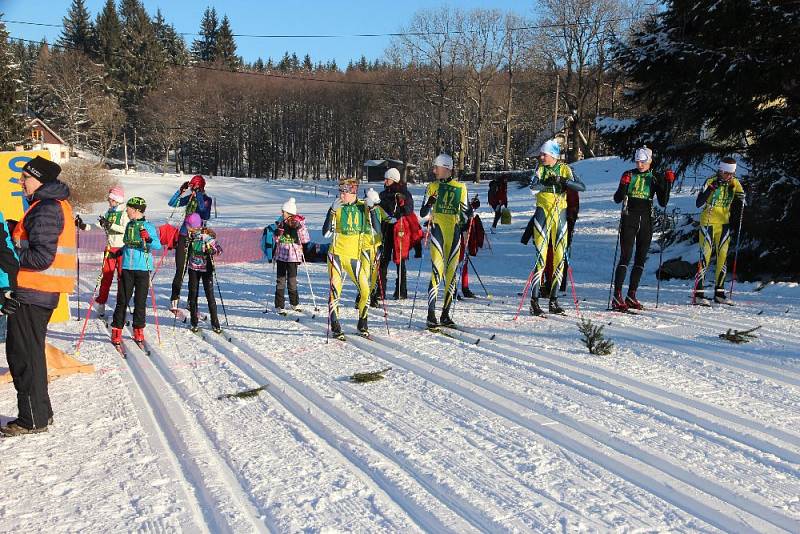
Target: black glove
[
  {"x": 105, "y": 223},
  {"x": 8, "y": 303},
  {"x": 184, "y": 186},
  {"x": 80, "y": 224},
  {"x": 431, "y": 200}
]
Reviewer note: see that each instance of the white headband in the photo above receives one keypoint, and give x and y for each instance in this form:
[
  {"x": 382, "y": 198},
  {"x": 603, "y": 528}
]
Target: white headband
[{"x": 727, "y": 167}]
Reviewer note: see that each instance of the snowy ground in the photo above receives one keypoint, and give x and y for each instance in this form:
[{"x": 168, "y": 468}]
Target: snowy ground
[{"x": 676, "y": 430}]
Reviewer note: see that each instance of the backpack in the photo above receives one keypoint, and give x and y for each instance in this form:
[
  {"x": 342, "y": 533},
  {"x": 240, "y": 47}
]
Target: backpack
[{"x": 268, "y": 241}]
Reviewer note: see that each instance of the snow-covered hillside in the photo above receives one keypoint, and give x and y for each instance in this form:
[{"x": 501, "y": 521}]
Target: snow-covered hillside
[{"x": 508, "y": 426}]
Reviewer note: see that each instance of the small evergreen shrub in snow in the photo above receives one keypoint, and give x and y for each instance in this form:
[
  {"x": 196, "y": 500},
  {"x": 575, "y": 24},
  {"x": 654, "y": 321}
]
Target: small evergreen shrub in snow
[
  {"x": 593, "y": 338},
  {"x": 88, "y": 183}
]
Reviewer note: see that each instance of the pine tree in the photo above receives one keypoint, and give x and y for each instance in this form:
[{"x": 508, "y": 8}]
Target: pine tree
[
  {"x": 172, "y": 43},
  {"x": 285, "y": 64},
  {"x": 205, "y": 48},
  {"x": 78, "y": 32},
  {"x": 11, "y": 119},
  {"x": 226, "y": 45},
  {"x": 307, "y": 65},
  {"x": 258, "y": 65},
  {"x": 108, "y": 30},
  {"x": 141, "y": 58},
  {"x": 716, "y": 79}
]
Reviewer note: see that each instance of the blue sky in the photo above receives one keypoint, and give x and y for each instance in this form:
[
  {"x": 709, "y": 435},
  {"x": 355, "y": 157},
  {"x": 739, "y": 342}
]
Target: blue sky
[{"x": 268, "y": 17}]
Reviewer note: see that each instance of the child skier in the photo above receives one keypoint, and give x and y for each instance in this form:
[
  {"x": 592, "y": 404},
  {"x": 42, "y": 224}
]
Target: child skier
[
  {"x": 351, "y": 222},
  {"x": 113, "y": 223},
  {"x": 137, "y": 262},
  {"x": 202, "y": 247},
  {"x": 191, "y": 196},
  {"x": 290, "y": 236},
  {"x": 717, "y": 196},
  {"x": 636, "y": 190}
]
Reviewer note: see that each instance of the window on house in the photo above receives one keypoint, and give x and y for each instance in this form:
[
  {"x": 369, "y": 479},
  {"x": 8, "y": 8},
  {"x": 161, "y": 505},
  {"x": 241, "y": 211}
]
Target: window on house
[{"x": 37, "y": 135}]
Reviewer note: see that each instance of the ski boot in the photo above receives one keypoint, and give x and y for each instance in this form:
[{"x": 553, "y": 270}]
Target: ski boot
[
  {"x": 700, "y": 299},
  {"x": 138, "y": 334},
  {"x": 217, "y": 330},
  {"x": 555, "y": 307},
  {"x": 374, "y": 301},
  {"x": 336, "y": 330},
  {"x": 721, "y": 298},
  {"x": 432, "y": 323},
  {"x": 445, "y": 319},
  {"x": 362, "y": 327},
  {"x": 632, "y": 303},
  {"x": 467, "y": 293},
  {"x": 116, "y": 337},
  {"x": 618, "y": 303},
  {"x": 536, "y": 310}
]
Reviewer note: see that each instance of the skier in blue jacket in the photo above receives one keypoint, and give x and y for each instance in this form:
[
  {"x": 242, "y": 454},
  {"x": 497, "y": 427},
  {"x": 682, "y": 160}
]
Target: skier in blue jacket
[
  {"x": 191, "y": 196},
  {"x": 141, "y": 238}
]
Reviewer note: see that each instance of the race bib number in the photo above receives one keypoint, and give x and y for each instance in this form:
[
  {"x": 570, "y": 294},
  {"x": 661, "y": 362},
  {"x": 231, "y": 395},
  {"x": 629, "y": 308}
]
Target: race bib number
[
  {"x": 640, "y": 186},
  {"x": 448, "y": 200},
  {"x": 352, "y": 220}
]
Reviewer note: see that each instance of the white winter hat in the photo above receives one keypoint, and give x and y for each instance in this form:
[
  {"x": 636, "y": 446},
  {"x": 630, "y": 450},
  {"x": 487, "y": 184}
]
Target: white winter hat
[
  {"x": 727, "y": 167},
  {"x": 644, "y": 154},
  {"x": 443, "y": 160},
  {"x": 551, "y": 148},
  {"x": 290, "y": 206},
  {"x": 372, "y": 197},
  {"x": 392, "y": 174}
]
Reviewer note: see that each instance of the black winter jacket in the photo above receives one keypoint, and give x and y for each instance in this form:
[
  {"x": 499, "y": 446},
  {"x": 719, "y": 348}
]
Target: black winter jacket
[{"x": 44, "y": 223}]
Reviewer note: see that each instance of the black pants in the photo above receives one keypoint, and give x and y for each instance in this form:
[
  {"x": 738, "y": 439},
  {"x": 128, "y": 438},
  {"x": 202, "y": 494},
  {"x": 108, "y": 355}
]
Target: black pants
[
  {"x": 208, "y": 286},
  {"x": 25, "y": 344},
  {"x": 180, "y": 267},
  {"x": 286, "y": 270},
  {"x": 636, "y": 230},
  {"x": 136, "y": 284}
]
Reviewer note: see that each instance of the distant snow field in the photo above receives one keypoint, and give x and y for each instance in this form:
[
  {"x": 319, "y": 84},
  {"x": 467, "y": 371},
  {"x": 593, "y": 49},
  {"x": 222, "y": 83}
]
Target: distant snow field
[{"x": 504, "y": 426}]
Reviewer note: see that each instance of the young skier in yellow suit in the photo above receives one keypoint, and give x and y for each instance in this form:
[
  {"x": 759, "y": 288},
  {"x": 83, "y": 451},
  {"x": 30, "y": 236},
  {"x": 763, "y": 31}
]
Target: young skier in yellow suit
[
  {"x": 549, "y": 221},
  {"x": 446, "y": 201},
  {"x": 716, "y": 197},
  {"x": 351, "y": 222}
]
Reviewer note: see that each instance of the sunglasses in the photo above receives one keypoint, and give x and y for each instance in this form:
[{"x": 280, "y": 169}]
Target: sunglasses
[{"x": 345, "y": 189}]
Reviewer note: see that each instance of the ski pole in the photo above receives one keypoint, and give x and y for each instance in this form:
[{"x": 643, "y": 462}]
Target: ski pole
[
  {"x": 78, "y": 258},
  {"x": 219, "y": 289},
  {"x": 330, "y": 279},
  {"x": 183, "y": 277},
  {"x": 736, "y": 251},
  {"x": 153, "y": 292},
  {"x": 308, "y": 276},
  {"x": 616, "y": 250},
  {"x": 91, "y": 300},
  {"x": 383, "y": 296},
  {"x": 661, "y": 256},
  {"x": 419, "y": 271},
  {"x": 463, "y": 263},
  {"x": 572, "y": 281},
  {"x": 479, "y": 277}
]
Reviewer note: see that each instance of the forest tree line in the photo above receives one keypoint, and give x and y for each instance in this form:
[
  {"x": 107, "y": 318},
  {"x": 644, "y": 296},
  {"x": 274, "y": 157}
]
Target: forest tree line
[{"x": 481, "y": 84}]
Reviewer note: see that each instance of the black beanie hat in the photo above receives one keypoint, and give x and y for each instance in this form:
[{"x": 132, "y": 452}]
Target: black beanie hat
[{"x": 42, "y": 169}]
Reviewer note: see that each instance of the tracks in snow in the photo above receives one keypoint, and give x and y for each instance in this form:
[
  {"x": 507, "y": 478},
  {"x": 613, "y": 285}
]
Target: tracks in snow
[{"x": 215, "y": 497}]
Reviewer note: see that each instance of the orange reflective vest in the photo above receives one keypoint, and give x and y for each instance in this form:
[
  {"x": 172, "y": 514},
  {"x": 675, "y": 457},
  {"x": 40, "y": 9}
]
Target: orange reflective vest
[{"x": 59, "y": 277}]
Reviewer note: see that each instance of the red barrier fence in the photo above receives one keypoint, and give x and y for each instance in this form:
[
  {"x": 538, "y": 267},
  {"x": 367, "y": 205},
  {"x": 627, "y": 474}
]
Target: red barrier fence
[{"x": 239, "y": 245}]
